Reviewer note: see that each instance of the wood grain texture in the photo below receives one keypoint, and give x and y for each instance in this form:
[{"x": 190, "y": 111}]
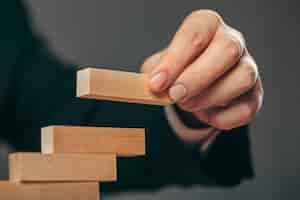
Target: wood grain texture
[
  {"x": 49, "y": 191},
  {"x": 36, "y": 167},
  {"x": 80, "y": 139},
  {"x": 122, "y": 86}
]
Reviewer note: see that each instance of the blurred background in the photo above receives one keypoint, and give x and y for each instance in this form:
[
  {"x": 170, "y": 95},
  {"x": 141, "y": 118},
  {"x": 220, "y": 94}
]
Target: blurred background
[{"x": 121, "y": 34}]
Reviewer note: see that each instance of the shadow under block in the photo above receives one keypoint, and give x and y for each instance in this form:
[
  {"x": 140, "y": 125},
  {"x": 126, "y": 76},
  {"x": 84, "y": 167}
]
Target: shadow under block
[
  {"x": 49, "y": 191},
  {"x": 80, "y": 139},
  {"x": 122, "y": 86},
  {"x": 36, "y": 167}
]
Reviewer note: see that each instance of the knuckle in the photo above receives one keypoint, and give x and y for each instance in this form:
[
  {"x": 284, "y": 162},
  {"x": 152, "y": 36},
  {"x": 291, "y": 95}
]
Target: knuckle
[
  {"x": 261, "y": 92},
  {"x": 247, "y": 111},
  {"x": 235, "y": 33},
  {"x": 233, "y": 48},
  {"x": 207, "y": 13},
  {"x": 239, "y": 34},
  {"x": 260, "y": 100},
  {"x": 196, "y": 13},
  {"x": 258, "y": 97},
  {"x": 213, "y": 14},
  {"x": 249, "y": 77}
]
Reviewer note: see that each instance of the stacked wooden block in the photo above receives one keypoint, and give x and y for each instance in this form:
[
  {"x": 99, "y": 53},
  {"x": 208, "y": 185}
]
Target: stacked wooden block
[{"x": 75, "y": 159}]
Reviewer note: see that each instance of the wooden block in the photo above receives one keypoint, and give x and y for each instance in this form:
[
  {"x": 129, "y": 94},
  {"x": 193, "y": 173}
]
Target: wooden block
[
  {"x": 111, "y": 85},
  {"x": 78, "y": 139},
  {"x": 36, "y": 167},
  {"x": 49, "y": 191}
]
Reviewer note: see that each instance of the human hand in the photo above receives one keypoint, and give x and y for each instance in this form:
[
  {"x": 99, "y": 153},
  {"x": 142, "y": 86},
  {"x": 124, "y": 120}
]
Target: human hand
[{"x": 208, "y": 71}]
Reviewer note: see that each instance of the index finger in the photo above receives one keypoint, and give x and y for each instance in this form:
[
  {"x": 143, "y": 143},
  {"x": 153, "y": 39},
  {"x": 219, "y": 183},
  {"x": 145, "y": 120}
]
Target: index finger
[{"x": 190, "y": 40}]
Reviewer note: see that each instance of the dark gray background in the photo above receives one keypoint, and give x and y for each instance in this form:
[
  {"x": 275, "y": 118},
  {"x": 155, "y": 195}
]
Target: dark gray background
[{"x": 120, "y": 34}]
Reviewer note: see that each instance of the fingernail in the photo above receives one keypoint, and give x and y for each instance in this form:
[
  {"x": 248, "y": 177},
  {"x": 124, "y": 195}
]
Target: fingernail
[
  {"x": 177, "y": 92},
  {"x": 158, "y": 80}
]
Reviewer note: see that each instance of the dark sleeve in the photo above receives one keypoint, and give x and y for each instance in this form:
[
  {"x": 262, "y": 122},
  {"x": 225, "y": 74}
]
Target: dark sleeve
[{"x": 42, "y": 93}]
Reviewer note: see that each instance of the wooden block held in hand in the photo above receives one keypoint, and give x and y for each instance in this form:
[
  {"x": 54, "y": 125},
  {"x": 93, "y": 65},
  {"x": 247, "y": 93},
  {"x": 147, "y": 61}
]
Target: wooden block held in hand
[
  {"x": 80, "y": 139},
  {"x": 112, "y": 85},
  {"x": 49, "y": 191},
  {"x": 36, "y": 167}
]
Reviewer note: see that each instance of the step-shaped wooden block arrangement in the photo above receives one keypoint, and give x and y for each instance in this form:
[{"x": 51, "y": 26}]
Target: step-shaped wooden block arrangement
[{"x": 74, "y": 159}]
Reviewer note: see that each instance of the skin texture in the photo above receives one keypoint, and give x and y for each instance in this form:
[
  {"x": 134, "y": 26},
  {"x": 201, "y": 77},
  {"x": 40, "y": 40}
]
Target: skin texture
[{"x": 208, "y": 71}]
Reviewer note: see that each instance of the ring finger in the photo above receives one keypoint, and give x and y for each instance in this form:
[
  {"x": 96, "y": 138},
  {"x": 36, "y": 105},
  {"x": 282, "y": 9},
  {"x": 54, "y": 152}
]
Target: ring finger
[{"x": 233, "y": 84}]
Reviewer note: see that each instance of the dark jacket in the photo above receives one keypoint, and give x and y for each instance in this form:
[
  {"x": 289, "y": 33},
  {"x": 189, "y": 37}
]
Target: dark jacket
[{"x": 37, "y": 89}]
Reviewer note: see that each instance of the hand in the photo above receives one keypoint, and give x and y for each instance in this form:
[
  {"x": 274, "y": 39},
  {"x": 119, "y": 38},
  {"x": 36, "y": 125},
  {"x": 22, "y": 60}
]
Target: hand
[{"x": 208, "y": 71}]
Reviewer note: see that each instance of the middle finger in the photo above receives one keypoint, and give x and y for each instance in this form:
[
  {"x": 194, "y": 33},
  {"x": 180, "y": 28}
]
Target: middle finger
[
  {"x": 233, "y": 84},
  {"x": 223, "y": 53}
]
